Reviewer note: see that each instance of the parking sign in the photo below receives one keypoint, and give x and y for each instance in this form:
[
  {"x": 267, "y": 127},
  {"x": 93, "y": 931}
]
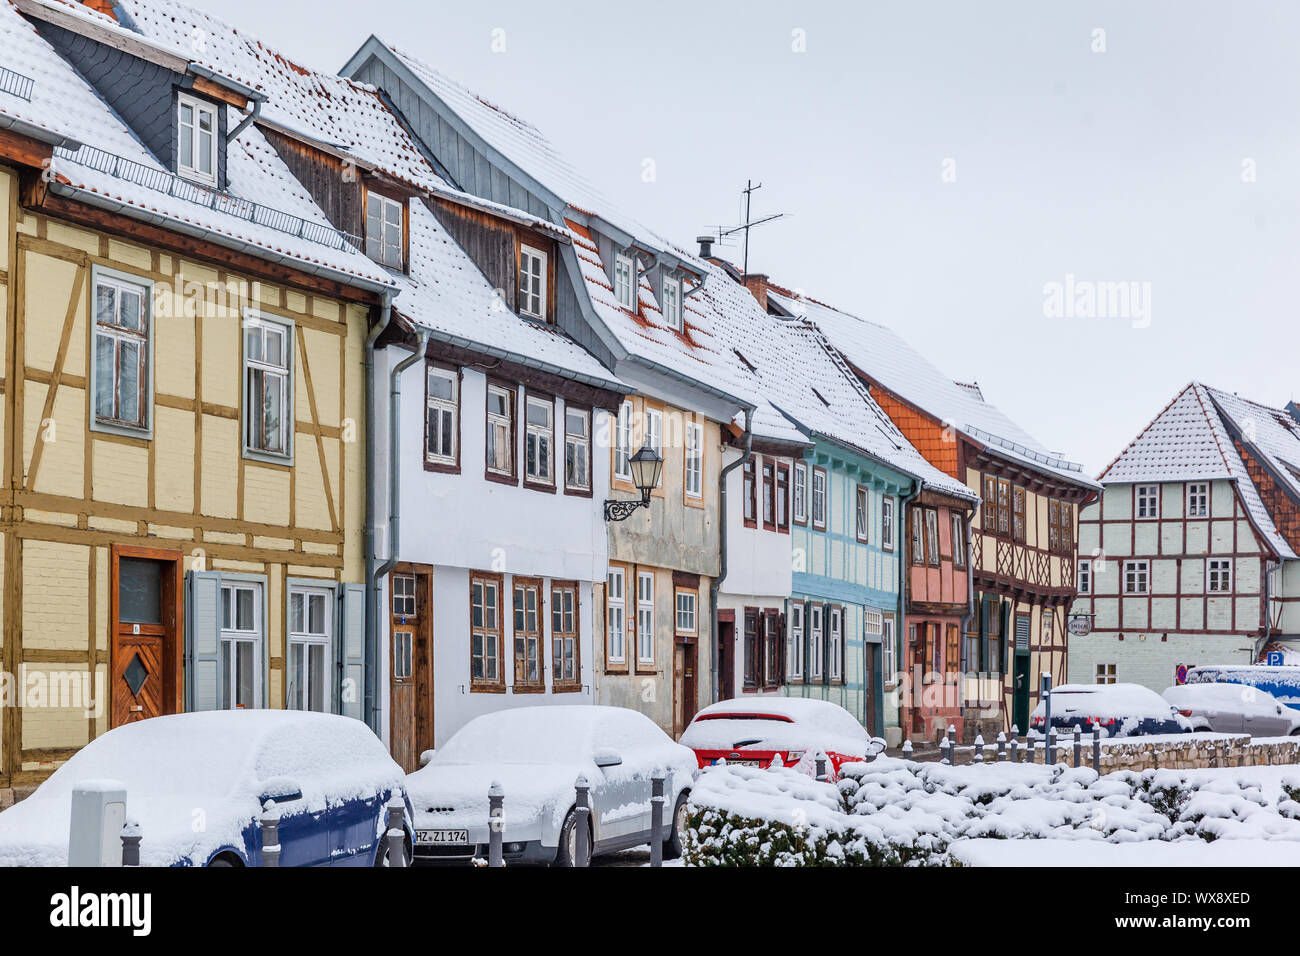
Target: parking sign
[{"x": 1274, "y": 658}]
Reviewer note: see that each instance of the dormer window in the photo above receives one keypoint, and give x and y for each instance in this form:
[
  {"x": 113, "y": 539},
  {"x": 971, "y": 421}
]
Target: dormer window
[
  {"x": 672, "y": 303},
  {"x": 532, "y": 282},
  {"x": 196, "y": 139},
  {"x": 385, "y": 219},
  {"x": 625, "y": 282}
]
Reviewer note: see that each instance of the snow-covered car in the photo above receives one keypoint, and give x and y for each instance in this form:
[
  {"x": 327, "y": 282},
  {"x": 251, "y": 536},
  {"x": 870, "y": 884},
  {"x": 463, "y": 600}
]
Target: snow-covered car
[
  {"x": 752, "y": 731},
  {"x": 1121, "y": 710},
  {"x": 537, "y": 754},
  {"x": 1234, "y": 709},
  {"x": 197, "y": 783}
]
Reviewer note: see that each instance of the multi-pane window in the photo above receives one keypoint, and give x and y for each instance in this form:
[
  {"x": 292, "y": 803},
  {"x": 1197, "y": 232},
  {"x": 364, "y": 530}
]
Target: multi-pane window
[
  {"x": 485, "y": 631},
  {"x": 990, "y": 513},
  {"x": 860, "y": 522},
  {"x": 1148, "y": 501},
  {"x": 800, "y": 493},
  {"x": 623, "y": 442},
  {"x": 122, "y": 340},
  {"x": 403, "y": 596},
  {"x": 1018, "y": 513},
  {"x": 686, "y": 612},
  {"x": 1084, "y": 577},
  {"x": 616, "y": 616},
  {"x": 402, "y": 652},
  {"x": 1137, "y": 577},
  {"x": 958, "y": 540},
  {"x": 196, "y": 141},
  {"x": 694, "y": 463},
  {"x": 384, "y": 230},
  {"x": 528, "y": 634},
  {"x": 819, "y": 499},
  {"x": 783, "y": 497},
  {"x": 673, "y": 303},
  {"x": 532, "y": 282},
  {"x": 577, "y": 449},
  {"x": 887, "y": 522},
  {"x": 625, "y": 282},
  {"x": 748, "y": 492},
  {"x": 1104, "y": 674},
  {"x": 771, "y": 650},
  {"x": 1218, "y": 575},
  {"x": 565, "y": 663},
  {"x": 932, "y": 536},
  {"x": 441, "y": 428},
  {"x": 750, "y": 648},
  {"x": 794, "y": 643},
  {"x": 836, "y": 650},
  {"x": 645, "y": 617},
  {"x": 654, "y": 435},
  {"x": 1198, "y": 500},
  {"x": 309, "y": 649},
  {"x": 500, "y": 430},
  {"x": 769, "y": 495},
  {"x": 1060, "y": 526},
  {"x": 268, "y": 396},
  {"x": 241, "y": 646},
  {"x": 887, "y": 648},
  {"x": 917, "y": 536},
  {"x": 817, "y": 653},
  {"x": 1004, "y": 507},
  {"x": 539, "y": 440}
]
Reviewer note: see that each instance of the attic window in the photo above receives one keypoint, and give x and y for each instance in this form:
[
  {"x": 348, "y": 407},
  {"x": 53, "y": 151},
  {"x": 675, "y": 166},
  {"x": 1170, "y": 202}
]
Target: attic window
[
  {"x": 196, "y": 139},
  {"x": 672, "y": 303},
  {"x": 744, "y": 361},
  {"x": 820, "y": 397},
  {"x": 384, "y": 228},
  {"x": 625, "y": 282},
  {"x": 532, "y": 282}
]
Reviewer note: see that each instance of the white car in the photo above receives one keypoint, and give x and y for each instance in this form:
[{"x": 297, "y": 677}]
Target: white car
[
  {"x": 1234, "y": 709},
  {"x": 1120, "y": 710},
  {"x": 754, "y": 731},
  {"x": 537, "y": 754}
]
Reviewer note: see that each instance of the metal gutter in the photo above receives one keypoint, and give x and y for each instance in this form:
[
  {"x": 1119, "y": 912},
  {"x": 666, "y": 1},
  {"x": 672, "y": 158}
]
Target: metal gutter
[
  {"x": 368, "y": 707},
  {"x": 38, "y": 133},
  {"x": 716, "y": 586}
]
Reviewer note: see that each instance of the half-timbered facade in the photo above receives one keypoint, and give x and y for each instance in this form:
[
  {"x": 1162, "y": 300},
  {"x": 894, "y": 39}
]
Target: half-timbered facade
[
  {"x": 1190, "y": 555},
  {"x": 1022, "y": 549},
  {"x": 183, "y": 413}
]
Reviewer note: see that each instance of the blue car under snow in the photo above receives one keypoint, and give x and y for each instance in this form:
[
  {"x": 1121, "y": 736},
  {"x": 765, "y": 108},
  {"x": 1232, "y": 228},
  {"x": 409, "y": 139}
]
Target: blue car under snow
[{"x": 196, "y": 785}]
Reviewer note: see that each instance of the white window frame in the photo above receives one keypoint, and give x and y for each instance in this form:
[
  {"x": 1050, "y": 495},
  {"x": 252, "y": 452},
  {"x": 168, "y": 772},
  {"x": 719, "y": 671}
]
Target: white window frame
[
  {"x": 800, "y": 492},
  {"x": 437, "y": 408},
  {"x": 298, "y": 690},
  {"x": 794, "y": 642},
  {"x": 194, "y": 133},
  {"x": 1083, "y": 578},
  {"x": 499, "y": 420},
  {"x": 623, "y": 443},
  {"x": 1147, "y": 499},
  {"x": 235, "y": 637},
  {"x": 625, "y": 281},
  {"x": 957, "y": 525},
  {"x": 117, "y": 334},
  {"x": 253, "y": 322},
  {"x": 541, "y": 437},
  {"x": 581, "y": 449},
  {"x": 1198, "y": 492},
  {"x": 686, "y": 603},
  {"x": 1223, "y": 575},
  {"x": 532, "y": 302},
  {"x": 654, "y": 436},
  {"x": 1141, "y": 577},
  {"x": 816, "y": 630},
  {"x": 385, "y": 248},
  {"x": 887, "y": 522},
  {"x": 616, "y": 616},
  {"x": 672, "y": 303},
  {"x": 861, "y": 508},
  {"x": 645, "y": 617},
  {"x": 887, "y": 649},
  {"x": 835, "y": 642},
  {"x": 820, "y": 525},
  {"x": 693, "y": 478}
]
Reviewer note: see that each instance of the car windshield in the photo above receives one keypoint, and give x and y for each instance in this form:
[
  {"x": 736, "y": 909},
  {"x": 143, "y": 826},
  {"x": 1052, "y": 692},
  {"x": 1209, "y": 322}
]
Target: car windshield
[{"x": 527, "y": 735}]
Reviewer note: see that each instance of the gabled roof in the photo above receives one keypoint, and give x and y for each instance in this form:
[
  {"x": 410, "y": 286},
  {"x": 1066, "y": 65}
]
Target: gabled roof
[
  {"x": 1187, "y": 441},
  {"x": 884, "y": 356},
  {"x": 113, "y": 170},
  {"x": 1271, "y": 432}
]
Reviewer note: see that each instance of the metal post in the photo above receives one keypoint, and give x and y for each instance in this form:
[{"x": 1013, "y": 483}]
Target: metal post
[
  {"x": 979, "y": 749},
  {"x": 907, "y": 750},
  {"x": 131, "y": 844},
  {"x": 1050, "y": 758},
  {"x": 657, "y": 818},
  {"x": 945, "y": 748},
  {"x": 1015, "y": 750},
  {"x": 396, "y": 832},
  {"x": 270, "y": 835},
  {"x": 496, "y": 823},
  {"x": 1078, "y": 746},
  {"x": 952, "y": 741},
  {"x": 821, "y": 767},
  {"x": 1045, "y": 684},
  {"x": 1029, "y": 749},
  {"x": 1096, "y": 747},
  {"x": 582, "y": 813},
  {"x": 1002, "y": 747}
]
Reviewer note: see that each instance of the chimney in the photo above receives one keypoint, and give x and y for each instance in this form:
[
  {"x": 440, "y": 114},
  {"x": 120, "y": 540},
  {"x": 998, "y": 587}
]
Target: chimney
[
  {"x": 756, "y": 283},
  {"x": 706, "y": 246},
  {"x": 1294, "y": 411},
  {"x": 102, "y": 6}
]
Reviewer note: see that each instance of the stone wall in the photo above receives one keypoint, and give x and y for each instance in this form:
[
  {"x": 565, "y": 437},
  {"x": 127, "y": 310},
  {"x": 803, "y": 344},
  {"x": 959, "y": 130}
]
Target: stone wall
[{"x": 1195, "y": 752}]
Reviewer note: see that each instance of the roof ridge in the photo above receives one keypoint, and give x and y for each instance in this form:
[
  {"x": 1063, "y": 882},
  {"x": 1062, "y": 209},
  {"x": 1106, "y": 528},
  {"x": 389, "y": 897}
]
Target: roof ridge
[{"x": 1145, "y": 428}]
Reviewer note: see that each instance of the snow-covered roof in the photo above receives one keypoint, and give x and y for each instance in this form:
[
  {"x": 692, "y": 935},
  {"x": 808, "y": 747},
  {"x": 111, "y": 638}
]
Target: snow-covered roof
[
  {"x": 1187, "y": 441},
  {"x": 114, "y": 170},
  {"x": 1271, "y": 432},
  {"x": 887, "y": 358}
]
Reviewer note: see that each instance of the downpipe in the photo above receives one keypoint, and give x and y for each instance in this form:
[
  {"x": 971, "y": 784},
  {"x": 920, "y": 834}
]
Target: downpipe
[
  {"x": 716, "y": 586},
  {"x": 902, "y": 636},
  {"x": 368, "y": 709}
]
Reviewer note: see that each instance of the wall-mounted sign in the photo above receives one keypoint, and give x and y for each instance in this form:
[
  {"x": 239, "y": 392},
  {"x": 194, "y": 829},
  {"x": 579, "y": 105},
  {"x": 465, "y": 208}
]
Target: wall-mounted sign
[{"x": 1080, "y": 625}]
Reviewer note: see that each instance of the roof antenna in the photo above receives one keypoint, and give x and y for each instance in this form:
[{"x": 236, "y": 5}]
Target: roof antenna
[{"x": 750, "y": 188}]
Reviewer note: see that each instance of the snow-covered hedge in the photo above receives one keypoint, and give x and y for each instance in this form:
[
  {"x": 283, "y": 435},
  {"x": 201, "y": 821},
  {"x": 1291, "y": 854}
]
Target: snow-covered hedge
[{"x": 896, "y": 812}]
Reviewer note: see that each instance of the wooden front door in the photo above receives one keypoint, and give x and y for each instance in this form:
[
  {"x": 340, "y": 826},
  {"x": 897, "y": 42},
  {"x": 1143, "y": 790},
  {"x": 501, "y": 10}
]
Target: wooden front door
[
  {"x": 410, "y": 669},
  {"x": 726, "y": 659},
  {"x": 869, "y": 689},
  {"x": 685, "y": 701},
  {"x": 145, "y": 633}
]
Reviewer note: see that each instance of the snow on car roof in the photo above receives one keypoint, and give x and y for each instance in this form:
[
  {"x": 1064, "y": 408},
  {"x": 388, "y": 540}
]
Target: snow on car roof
[
  {"x": 801, "y": 723},
  {"x": 1226, "y": 692},
  {"x": 1107, "y": 700},
  {"x": 547, "y": 734}
]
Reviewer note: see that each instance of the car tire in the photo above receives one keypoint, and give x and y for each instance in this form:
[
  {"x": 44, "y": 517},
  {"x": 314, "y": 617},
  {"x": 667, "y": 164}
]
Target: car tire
[
  {"x": 221, "y": 861},
  {"x": 568, "y": 840},
  {"x": 676, "y": 828},
  {"x": 1295, "y": 733}
]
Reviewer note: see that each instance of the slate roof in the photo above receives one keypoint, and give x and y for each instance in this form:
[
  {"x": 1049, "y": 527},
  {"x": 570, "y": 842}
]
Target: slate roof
[
  {"x": 1187, "y": 441},
  {"x": 887, "y": 358}
]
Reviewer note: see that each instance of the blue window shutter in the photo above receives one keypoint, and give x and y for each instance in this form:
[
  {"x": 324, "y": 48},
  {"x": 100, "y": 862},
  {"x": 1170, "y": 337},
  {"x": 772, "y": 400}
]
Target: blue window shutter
[
  {"x": 203, "y": 641},
  {"x": 352, "y": 631}
]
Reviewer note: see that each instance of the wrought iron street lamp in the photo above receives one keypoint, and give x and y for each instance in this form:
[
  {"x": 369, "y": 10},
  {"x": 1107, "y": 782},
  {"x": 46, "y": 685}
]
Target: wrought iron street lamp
[{"x": 645, "y": 466}]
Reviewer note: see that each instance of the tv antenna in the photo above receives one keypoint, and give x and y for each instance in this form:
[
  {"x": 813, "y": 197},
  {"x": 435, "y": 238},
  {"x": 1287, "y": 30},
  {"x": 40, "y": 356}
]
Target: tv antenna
[{"x": 750, "y": 188}]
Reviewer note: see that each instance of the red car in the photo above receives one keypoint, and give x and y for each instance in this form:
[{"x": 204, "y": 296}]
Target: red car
[{"x": 752, "y": 731}]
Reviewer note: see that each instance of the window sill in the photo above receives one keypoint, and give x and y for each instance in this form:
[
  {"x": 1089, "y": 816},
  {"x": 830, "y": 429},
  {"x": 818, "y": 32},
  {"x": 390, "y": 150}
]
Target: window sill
[
  {"x": 528, "y": 689},
  {"x": 268, "y": 458},
  {"x": 501, "y": 479},
  {"x": 566, "y": 688},
  {"x": 577, "y": 492},
  {"x": 121, "y": 431},
  {"x": 541, "y": 486},
  {"x": 487, "y": 688},
  {"x": 442, "y": 467}
]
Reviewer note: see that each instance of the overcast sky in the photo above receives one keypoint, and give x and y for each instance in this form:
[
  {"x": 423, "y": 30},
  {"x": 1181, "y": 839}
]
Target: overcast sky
[{"x": 939, "y": 165}]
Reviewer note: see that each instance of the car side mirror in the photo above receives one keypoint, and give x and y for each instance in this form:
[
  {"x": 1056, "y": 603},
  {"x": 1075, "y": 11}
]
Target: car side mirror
[
  {"x": 425, "y": 758},
  {"x": 281, "y": 790},
  {"x": 1279, "y": 709},
  {"x": 607, "y": 758}
]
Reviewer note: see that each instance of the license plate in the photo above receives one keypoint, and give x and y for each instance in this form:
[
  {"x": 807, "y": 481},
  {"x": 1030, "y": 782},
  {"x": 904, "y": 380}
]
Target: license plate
[
  {"x": 743, "y": 763},
  {"x": 442, "y": 836}
]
